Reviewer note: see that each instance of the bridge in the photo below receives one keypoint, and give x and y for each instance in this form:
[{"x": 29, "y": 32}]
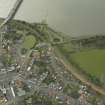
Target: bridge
[{"x": 12, "y": 13}]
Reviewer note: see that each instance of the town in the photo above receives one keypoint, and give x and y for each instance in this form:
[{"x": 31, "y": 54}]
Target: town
[
  {"x": 29, "y": 65},
  {"x": 32, "y": 73}
]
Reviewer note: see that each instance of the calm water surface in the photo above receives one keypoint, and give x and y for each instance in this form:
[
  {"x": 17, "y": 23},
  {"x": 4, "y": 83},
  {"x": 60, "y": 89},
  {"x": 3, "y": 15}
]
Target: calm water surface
[{"x": 74, "y": 17}]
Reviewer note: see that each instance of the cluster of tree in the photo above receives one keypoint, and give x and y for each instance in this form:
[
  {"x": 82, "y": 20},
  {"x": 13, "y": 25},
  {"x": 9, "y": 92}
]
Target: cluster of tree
[
  {"x": 49, "y": 79},
  {"x": 72, "y": 90},
  {"x": 97, "y": 41},
  {"x": 56, "y": 40},
  {"x": 7, "y": 60},
  {"x": 37, "y": 99},
  {"x": 19, "y": 25}
]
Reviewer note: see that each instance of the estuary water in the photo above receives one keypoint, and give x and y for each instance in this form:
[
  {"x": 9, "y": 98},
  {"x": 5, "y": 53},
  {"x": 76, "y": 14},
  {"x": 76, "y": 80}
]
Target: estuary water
[{"x": 74, "y": 17}]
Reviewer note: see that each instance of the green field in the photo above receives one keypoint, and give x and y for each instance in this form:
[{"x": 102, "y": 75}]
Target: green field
[
  {"x": 92, "y": 61},
  {"x": 29, "y": 42}
]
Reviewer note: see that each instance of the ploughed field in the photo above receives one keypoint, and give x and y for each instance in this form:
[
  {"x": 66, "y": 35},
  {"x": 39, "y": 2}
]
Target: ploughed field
[{"x": 92, "y": 61}]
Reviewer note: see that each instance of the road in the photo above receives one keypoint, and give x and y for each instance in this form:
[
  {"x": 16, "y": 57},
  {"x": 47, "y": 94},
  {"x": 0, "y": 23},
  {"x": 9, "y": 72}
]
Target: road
[
  {"x": 53, "y": 35},
  {"x": 12, "y": 13}
]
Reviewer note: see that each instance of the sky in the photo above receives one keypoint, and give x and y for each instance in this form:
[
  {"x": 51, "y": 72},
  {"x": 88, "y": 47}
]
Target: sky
[{"x": 74, "y": 17}]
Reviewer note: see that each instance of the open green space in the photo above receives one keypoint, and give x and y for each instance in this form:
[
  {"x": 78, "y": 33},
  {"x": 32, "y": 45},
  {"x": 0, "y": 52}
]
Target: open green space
[
  {"x": 29, "y": 42},
  {"x": 92, "y": 61}
]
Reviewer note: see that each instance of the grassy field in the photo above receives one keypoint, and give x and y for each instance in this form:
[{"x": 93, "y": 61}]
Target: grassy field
[
  {"x": 29, "y": 42},
  {"x": 92, "y": 61}
]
